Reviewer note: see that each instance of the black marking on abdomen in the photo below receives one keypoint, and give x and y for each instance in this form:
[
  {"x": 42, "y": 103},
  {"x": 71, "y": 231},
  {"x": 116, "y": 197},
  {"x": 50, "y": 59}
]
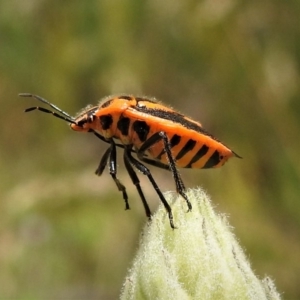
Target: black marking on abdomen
[
  {"x": 106, "y": 121},
  {"x": 175, "y": 140},
  {"x": 142, "y": 129},
  {"x": 213, "y": 160},
  {"x": 187, "y": 147},
  {"x": 123, "y": 125},
  {"x": 201, "y": 152}
]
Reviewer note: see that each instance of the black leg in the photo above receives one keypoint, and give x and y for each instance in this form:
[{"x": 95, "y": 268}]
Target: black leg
[
  {"x": 103, "y": 162},
  {"x": 172, "y": 164},
  {"x": 132, "y": 161},
  {"x": 154, "y": 163},
  {"x": 111, "y": 153},
  {"x": 107, "y": 140},
  {"x": 136, "y": 182},
  {"x": 178, "y": 181}
]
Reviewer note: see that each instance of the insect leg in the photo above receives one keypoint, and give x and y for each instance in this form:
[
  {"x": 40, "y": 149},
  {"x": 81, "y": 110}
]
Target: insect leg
[
  {"x": 178, "y": 181},
  {"x": 100, "y": 137},
  {"x": 107, "y": 141},
  {"x": 136, "y": 182},
  {"x": 154, "y": 163},
  {"x": 172, "y": 164},
  {"x": 103, "y": 162},
  {"x": 128, "y": 159},
  {"x": 111, "y": 154}
]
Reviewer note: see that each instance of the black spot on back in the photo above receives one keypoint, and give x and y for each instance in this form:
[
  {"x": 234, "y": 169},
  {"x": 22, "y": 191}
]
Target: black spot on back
[
  {"x": 123, "y": 125},
  {"x": 142, "y": 129},
  {"x": 106, "y": 121}
]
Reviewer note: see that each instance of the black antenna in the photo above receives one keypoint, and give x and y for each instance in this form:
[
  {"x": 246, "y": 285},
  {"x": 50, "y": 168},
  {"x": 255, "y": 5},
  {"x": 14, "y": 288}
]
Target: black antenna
[{"x": 65, "y": 116}]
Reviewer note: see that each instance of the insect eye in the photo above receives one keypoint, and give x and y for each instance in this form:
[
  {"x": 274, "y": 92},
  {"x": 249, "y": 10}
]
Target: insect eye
[{"x": 81, "y": 122}]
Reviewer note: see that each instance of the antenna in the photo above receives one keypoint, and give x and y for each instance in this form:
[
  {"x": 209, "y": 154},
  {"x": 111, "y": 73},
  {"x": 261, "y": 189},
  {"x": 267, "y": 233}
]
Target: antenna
[{"x": 64, "y": 116}]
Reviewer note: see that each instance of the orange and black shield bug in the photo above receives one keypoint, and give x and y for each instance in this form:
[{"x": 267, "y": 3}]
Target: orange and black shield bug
[{"x": 154, "y": 133}]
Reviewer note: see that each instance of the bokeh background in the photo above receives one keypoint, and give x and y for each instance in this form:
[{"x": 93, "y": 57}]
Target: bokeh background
[{"x": 233, "y": 65}]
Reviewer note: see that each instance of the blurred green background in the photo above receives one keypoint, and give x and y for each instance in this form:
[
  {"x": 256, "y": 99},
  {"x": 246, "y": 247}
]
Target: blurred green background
[{"x": 232, "y": 65}]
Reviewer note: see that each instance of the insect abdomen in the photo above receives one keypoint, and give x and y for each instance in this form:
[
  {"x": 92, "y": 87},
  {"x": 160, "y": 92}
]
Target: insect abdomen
[{"x": 193, "y": 150}]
